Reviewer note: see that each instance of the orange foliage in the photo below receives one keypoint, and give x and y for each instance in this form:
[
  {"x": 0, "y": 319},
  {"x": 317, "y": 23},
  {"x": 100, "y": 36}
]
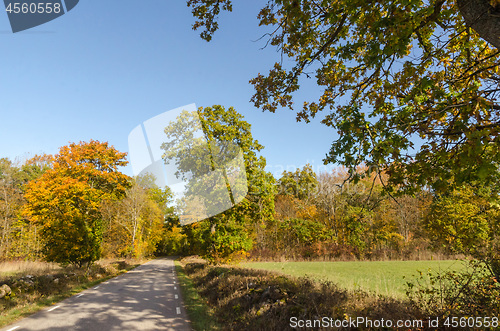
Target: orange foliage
[{"x": 65, "y": 200}]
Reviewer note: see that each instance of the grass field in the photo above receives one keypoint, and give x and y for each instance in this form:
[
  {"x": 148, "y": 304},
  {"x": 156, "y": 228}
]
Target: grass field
[{"x": 380, "y": 277}]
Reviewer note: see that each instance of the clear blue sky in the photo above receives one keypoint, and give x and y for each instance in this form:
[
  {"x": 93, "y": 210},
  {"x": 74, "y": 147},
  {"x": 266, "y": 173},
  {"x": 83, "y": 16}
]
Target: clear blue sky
[{"x": 108, "y": 65}]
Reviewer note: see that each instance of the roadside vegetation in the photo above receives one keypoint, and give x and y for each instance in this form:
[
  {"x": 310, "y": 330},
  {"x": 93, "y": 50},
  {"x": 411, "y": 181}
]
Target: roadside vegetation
[
  {"x": 249, "y": 299},
  {"x": 199, "y": 312},
  {"x": 253, "y": 299}
]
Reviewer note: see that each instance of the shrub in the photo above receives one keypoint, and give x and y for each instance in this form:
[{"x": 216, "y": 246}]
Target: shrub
[{"x": 473, "y": 292}]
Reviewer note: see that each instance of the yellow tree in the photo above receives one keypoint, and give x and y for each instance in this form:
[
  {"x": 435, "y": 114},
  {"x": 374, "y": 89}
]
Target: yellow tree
[
  {"x": 134, "y": 224},
  {"x": 65, "y": 201},
  {"x": 467, "y": 220}
]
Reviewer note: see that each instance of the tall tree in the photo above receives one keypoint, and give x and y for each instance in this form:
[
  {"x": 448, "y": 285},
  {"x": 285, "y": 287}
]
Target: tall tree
[
  {"x": 65, "y": 200},
  {"x": 10, "y": 202},
  {"x": 390, "y": 72},
  {"x": 18, "y": 238},
  {"x": 481, "y": 15},
  {"x": 302, "y": 183},
  {"x": 225, "y": 134}
]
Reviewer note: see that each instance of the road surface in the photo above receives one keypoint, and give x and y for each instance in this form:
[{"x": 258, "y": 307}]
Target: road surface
[{"x": 145, "y": 298}]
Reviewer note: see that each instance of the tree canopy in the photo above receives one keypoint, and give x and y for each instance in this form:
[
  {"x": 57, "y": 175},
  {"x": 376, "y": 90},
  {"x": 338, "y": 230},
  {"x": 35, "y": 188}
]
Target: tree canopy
[
  {"x": 409, "y": 85},
  {"x": 65, "y": 201},
  {"x": 301, "y": 183},
  {"x": 204, "y": 145}
]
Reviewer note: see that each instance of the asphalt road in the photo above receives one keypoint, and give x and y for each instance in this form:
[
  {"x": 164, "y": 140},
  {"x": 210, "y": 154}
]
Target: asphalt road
[{"x": 145, "y": 298}]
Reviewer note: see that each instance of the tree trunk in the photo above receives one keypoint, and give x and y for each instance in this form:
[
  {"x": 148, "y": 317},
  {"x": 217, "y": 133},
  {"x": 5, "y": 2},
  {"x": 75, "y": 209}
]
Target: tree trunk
[{"x": 482, "y": 18}]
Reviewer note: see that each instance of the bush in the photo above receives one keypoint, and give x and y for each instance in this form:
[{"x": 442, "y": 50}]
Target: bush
[{"x": 473, "y": 292}]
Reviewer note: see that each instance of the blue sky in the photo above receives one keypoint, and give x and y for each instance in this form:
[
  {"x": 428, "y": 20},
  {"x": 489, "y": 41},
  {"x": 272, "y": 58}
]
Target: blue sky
[{"x": 108, "y": 65}]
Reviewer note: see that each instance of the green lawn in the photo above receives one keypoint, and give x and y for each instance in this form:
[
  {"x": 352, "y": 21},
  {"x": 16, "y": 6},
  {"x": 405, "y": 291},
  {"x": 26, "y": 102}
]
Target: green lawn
[{"x": 381, "y": 277}]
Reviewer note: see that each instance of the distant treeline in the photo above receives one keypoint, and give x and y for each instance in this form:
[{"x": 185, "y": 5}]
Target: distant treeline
[{"x": 326, "y": 217}]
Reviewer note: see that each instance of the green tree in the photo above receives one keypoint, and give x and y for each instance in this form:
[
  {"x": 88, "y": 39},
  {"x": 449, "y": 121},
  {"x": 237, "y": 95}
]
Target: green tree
[
  {"x": 33, "y": 168},
  {"x": 467, "y": 221},
  {"x": 18, "y": 238},
  {"x": 302, "y": 183},
  {"x": 65, "y": 201},
  {"x": 11, "y": 200},
  {"x": 389, "y": 72},
  {"x": 300, "y": 232},
  {"x": 229, "y": 232}
]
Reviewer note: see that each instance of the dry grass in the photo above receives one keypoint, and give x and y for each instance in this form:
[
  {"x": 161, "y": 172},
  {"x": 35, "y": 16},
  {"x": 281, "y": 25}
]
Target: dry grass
[
  {"x": 35, "y": 268},
  {"x": 38, "y": 268},
  {"x": 417, "y": 255}
]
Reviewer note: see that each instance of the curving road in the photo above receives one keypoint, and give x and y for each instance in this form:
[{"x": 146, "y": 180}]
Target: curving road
[{"x": 145, "y": 298}]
